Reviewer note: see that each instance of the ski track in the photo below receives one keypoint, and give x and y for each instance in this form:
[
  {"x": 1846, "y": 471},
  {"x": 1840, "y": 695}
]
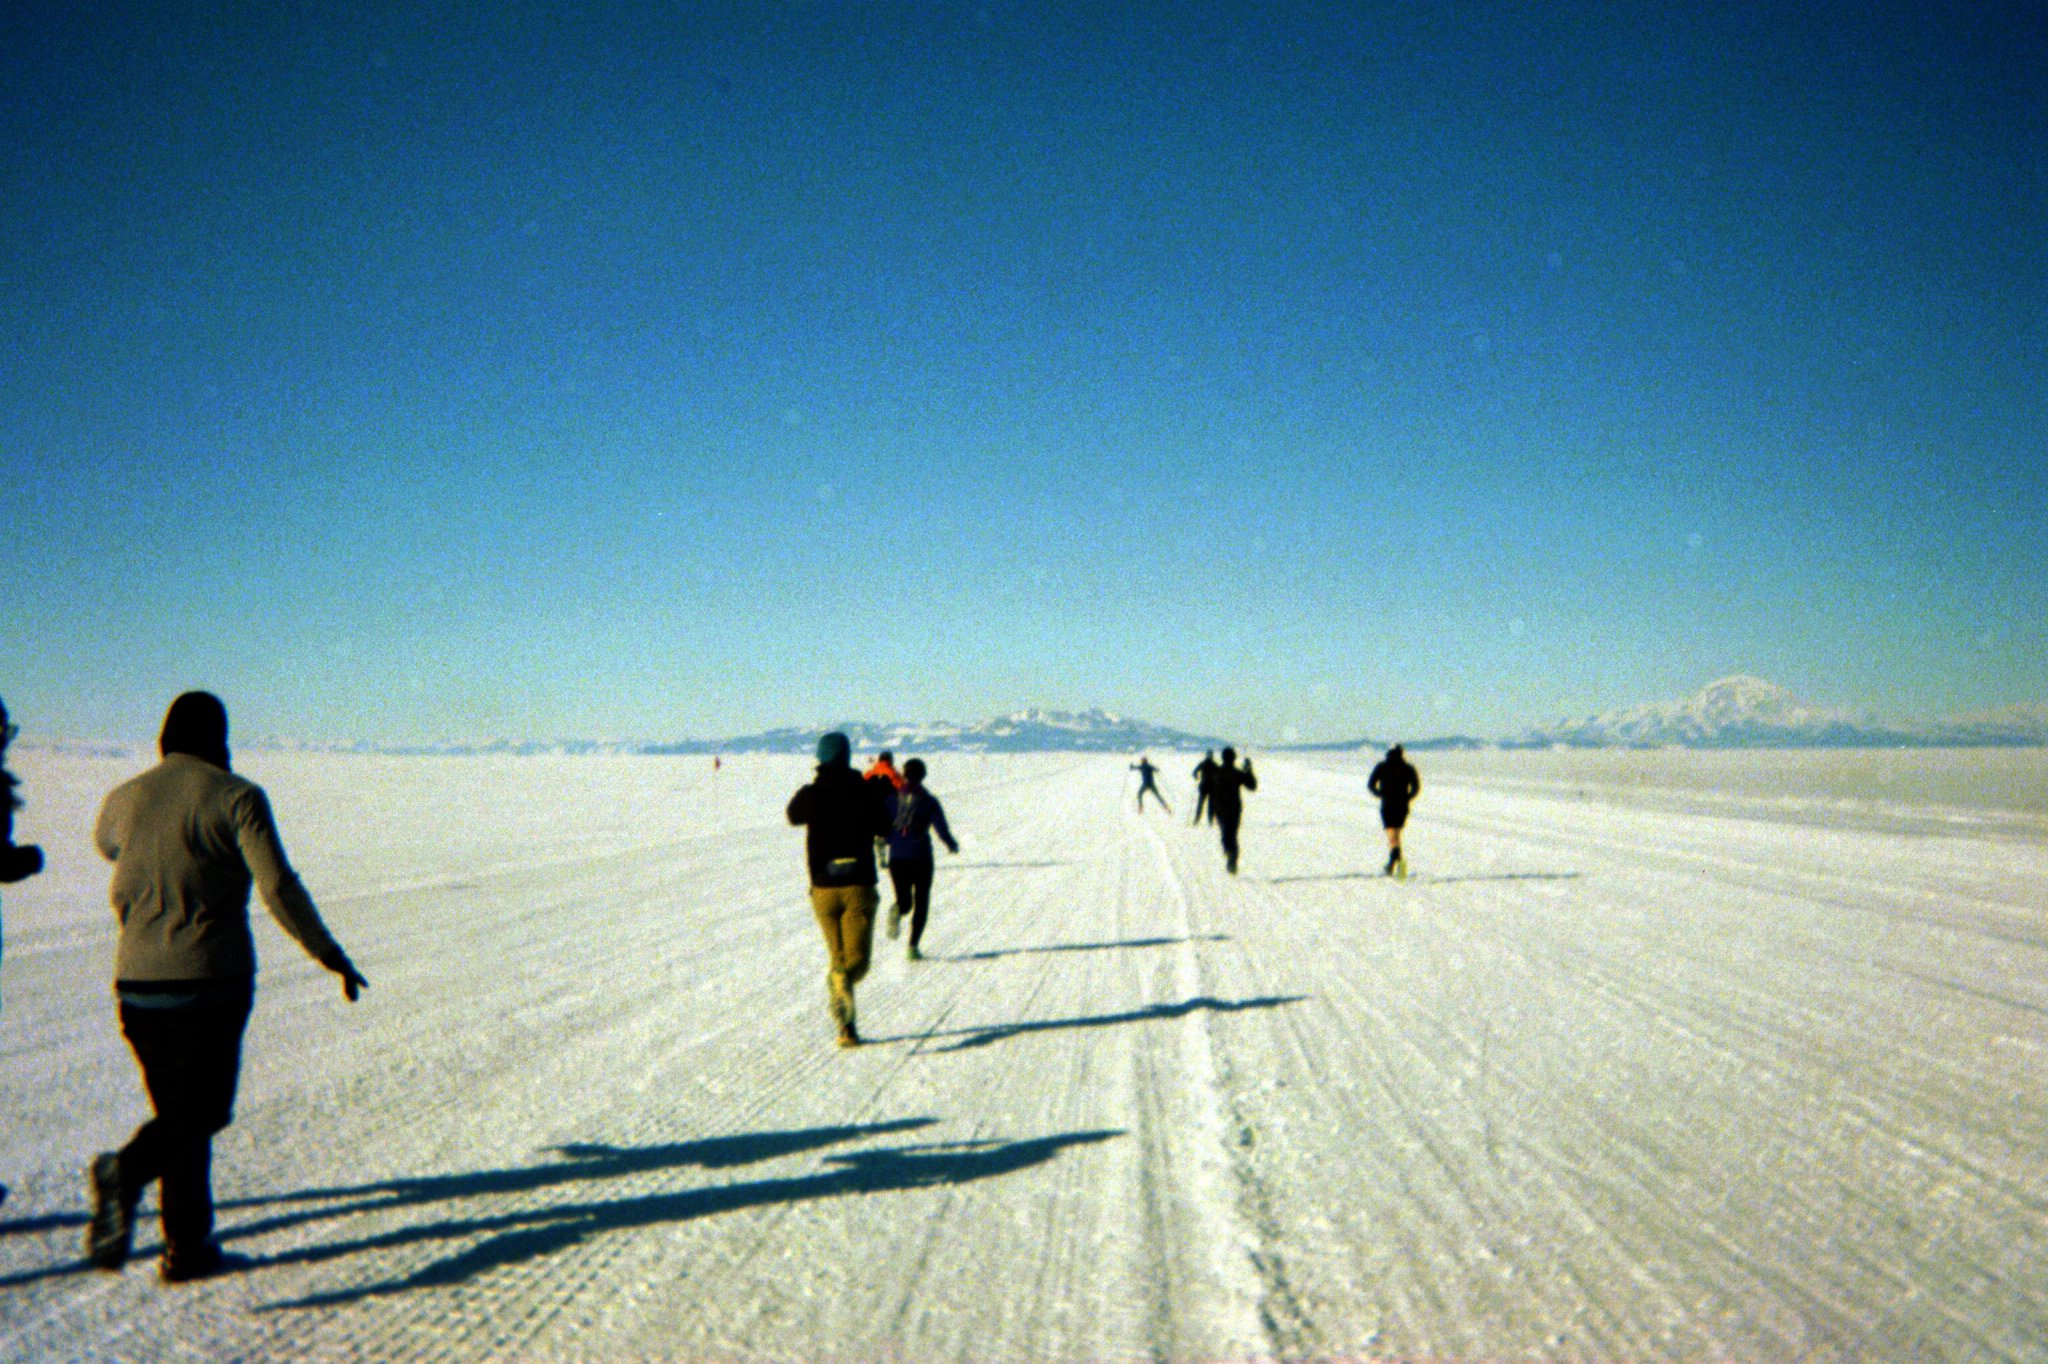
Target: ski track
[{"x": 1601, "y": 1081}]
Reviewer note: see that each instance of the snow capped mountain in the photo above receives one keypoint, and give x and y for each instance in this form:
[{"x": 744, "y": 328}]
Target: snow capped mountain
[
  {"x": 1024, "y": 731},
  {"x": 1735, "y": 712}
]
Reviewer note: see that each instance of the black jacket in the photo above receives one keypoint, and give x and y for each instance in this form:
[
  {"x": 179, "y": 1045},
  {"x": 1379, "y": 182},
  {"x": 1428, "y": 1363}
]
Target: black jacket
[
  {"x": 1227, "y": 785},
  {"x": 1394, "y": 782},
  {"x": 18, "y": 862},
  {"x": 844, "y": 814}
]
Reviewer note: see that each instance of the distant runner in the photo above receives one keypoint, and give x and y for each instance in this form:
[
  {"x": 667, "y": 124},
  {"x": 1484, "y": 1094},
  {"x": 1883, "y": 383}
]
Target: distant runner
[
  {"x": 914, "y": 816},
  {"x": 1146, "y": 772},
  {"x": 1203, "y": 770},
  {"x": 1227, "y": 785},
  {"x": 883, "y": 769},
  {"x": 1396, "y": 783},
  {"x": 844, "y": 816}
]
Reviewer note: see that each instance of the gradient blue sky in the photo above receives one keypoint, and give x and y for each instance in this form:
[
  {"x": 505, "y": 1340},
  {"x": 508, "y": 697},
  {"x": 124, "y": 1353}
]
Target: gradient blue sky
[{"x": 452, "y": 371}]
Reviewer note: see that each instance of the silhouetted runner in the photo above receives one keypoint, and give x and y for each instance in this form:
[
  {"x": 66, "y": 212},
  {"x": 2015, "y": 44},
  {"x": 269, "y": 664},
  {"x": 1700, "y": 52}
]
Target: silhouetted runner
[
  {"x": 1203, "y": 770},
  {"x": 1227, "y": 785},
  {"x": 1396, "y": 783},
  {"x": 1146, "y": 773}
]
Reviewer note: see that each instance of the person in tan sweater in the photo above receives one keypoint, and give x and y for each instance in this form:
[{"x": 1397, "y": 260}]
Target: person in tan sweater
[{"x": 188, "y": 840}]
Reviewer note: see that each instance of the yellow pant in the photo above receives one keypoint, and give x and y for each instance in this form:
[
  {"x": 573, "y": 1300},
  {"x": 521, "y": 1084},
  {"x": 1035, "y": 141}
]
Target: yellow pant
[{"x": 846, "y": 915}]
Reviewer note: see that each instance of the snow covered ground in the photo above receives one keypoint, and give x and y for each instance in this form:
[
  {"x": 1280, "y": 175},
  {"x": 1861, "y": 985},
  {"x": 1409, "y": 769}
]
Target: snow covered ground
[{"x": 1632, "y": 1069}]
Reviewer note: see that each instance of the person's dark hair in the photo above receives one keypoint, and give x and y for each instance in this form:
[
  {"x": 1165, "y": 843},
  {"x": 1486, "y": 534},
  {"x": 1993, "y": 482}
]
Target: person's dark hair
[
  {"x": 885, "y": 756},
  {"x": 914, "y": 770},
  {"x": 1229, "y": 756},
  {"x": 1396, "y": 753},
  {"x": 196, "y": 725}
]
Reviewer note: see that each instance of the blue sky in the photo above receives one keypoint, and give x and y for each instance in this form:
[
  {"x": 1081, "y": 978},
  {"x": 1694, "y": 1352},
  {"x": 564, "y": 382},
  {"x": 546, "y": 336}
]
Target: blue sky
[{"x": 456, "y": 371}]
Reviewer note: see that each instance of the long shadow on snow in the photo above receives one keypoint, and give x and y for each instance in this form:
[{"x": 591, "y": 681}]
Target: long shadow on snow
[
  {"x": 995, "y": 953},
  {"x": 56, "y": 1221},
  {"x": 982, "y": 1037},
  {"x": 59, "y": 1221},
  {"x": 515, "y": 1237},
  {"x": 580, "y": 1162},
  {"x": 1425, "y": 877}
]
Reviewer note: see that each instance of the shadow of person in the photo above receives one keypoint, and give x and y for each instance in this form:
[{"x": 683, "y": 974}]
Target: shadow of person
[
  {"x": 577, "y": 1163},
  {"x": 56, "y": 1221},
  {"x": 523, "y": 1235},
  {"x": 1002, "y": 1032},
  {"x": 993, "y": 954},
  {"x": 1419, "y": 878},
  {"x": 580, "y": 1162}
]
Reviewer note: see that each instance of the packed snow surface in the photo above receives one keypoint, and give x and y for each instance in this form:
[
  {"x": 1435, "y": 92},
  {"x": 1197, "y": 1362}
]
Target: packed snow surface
[{"x": 1633, "y": 1068}]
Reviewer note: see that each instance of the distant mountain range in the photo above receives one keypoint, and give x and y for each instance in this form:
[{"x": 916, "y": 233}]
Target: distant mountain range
[
  {"x": 1735, "y": 712},
  {"x": 1024, "y": 731},
  {"x": 1748, "y": 712}
]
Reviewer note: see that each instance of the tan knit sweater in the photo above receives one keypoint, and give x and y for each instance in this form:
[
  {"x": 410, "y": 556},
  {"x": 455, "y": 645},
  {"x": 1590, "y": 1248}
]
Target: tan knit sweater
[{"x": 187, "y": 839}]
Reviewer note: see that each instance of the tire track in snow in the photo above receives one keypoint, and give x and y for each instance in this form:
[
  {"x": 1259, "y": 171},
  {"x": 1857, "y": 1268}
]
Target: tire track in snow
[
  {"x": 1470, "y": 1148},
  {"x": 1247, "y": 1226},
  {"x": 1673, "y": 1000}
]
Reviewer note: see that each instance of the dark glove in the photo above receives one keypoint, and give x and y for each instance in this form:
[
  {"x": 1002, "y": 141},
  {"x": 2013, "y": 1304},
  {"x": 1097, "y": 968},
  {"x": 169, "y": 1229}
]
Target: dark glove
[
  {"x": 19, "y": 862},
  {"x": 352, "y": 982}
]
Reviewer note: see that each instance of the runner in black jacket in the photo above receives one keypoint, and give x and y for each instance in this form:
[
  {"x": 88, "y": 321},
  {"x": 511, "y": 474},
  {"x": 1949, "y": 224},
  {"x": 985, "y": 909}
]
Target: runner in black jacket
[
  {"x": 1202, "y": 770},
  {"x": 1147, "y": 770},
  {"x": 843, "y": 816},
  {"x": 1227, "y": 785},
  {"x": 1396, "y": 783}
]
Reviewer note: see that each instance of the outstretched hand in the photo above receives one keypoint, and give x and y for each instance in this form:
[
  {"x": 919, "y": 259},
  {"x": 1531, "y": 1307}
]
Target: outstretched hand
[{"x": 352, "y": 982}]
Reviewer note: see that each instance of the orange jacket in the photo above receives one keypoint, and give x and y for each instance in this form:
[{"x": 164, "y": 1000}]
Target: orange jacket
[{"x": 882, "y": 767}]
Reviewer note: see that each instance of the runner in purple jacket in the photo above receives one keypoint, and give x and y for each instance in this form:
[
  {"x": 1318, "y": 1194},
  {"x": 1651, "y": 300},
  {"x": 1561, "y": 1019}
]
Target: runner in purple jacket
[{"x": 914, "y": 816}]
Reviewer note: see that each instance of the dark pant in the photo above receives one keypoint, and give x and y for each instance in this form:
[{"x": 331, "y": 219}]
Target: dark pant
[
  {"x": 191, "y": 1058},
  {"x": 913, "y": 882},
  {"x": 1227, "y": 821}
]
